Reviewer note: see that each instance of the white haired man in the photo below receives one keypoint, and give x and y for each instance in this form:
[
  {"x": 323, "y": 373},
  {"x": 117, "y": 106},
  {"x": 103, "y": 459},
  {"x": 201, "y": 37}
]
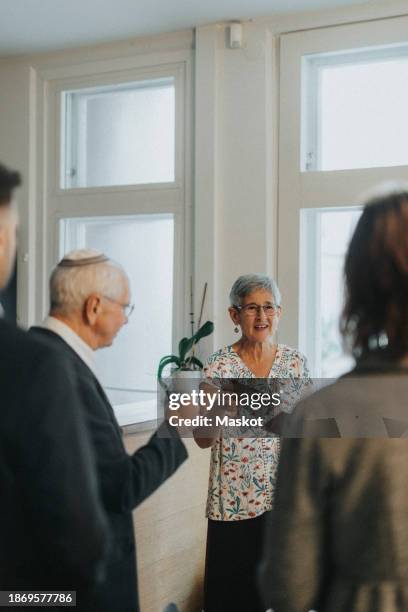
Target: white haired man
[
  {"x": 53, "y": 533},
  {"x": 89, "y": 297}
]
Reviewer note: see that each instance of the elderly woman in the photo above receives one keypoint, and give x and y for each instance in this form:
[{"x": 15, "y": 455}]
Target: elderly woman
[
  {"x": 243, "y": 470},
  {"x": 337, "y": 538}
]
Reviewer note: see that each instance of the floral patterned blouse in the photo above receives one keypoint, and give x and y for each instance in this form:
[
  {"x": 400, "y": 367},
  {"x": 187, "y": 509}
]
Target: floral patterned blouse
[{"x": 243, "y": 470}]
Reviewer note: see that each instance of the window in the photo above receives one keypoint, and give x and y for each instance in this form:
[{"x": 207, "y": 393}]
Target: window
[
  {"x": 117, "y": 154},
  {"x": 354, "y": 109},
  {"x": 343, "y": 94},
  {"x": 324, "y": 238},
  {"x": 119, "y": 134}
]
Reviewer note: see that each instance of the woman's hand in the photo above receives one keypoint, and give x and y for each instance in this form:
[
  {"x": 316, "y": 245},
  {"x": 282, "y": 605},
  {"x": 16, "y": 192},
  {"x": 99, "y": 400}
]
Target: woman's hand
[{"x": 216, "y": 403}]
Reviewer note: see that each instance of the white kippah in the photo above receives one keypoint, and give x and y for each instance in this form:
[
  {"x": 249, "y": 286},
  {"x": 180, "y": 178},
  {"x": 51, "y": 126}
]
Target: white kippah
[{"x": 82, "y": 257}]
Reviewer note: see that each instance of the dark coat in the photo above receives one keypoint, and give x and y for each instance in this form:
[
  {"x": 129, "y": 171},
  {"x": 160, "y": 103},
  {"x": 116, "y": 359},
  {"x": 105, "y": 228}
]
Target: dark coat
[
  {"x": 53, "y": 533},
  {"x": 125, "y": 481},
  {"x": 337, "y": 537}
]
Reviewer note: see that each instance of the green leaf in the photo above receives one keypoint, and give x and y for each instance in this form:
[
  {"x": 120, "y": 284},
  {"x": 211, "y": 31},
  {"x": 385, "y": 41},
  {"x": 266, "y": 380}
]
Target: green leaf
[
  {"x": 166, "y": 357},
  {"x": 165, "y": 361},
  {"x": 186, "y": 344},
  {"x": 205, "y": 330},
  {"x": 184, "y": 347}
]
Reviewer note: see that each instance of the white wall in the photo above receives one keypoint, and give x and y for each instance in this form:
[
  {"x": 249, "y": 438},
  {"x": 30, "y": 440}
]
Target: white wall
[
  {"x": 15, "y": 150},
  {"x": 236, "y": 116},
  {"x": 242, "y": 170}
]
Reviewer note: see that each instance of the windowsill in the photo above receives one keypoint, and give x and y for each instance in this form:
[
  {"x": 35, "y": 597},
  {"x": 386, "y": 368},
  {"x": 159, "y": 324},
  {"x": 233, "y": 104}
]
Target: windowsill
[{"x": 135, "y": 417}]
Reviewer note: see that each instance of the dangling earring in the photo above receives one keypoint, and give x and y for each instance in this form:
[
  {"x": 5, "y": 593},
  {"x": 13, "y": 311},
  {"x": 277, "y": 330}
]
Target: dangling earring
[{"x": 236, "y": 329}]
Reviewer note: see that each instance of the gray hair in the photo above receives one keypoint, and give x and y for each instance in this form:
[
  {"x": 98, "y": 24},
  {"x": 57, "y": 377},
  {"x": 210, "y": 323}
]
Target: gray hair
[
  {"x": 246, "y": 284},
  {"x": 70, "y": 286}
]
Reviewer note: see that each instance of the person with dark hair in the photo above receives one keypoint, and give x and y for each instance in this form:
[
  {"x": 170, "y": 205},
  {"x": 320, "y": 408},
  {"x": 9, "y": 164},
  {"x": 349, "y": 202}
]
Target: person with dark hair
[
  {"x": 53, "y": 533},
  {"x": 376, "y": 270},
  {"x": 337, "y": 538},
  {"x": 8, "y": 222},
  {"x": 9, "y": 180}
]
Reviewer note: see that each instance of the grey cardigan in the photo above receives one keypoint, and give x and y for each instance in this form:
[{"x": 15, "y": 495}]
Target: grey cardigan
[{"x": 337, "y": 538}]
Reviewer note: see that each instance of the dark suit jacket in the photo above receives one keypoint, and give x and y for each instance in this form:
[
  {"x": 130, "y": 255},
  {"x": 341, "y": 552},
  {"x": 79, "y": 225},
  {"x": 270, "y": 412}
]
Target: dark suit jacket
[
  {"x": 53, "y": 532},
  {"x": 125, "y": 481}
]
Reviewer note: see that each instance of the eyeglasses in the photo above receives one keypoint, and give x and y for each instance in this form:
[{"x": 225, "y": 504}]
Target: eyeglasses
[
  {"x": 127, "y": 308},
  {"x": 252, "y": 310}
]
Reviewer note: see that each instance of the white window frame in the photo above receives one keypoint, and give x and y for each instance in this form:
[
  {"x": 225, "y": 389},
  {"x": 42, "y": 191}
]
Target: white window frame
[
  {"x": 310, "y": 285},
  {"x": 55, "y": 203},
  {"x": 73, "y": 147},
  {"x": 310, "y": 137},
  {"x": 300, "y": 188}
]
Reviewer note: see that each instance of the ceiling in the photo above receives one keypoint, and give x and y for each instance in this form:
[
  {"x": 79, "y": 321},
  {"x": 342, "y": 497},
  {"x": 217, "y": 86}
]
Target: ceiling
[{"x": 43, "y": 25}]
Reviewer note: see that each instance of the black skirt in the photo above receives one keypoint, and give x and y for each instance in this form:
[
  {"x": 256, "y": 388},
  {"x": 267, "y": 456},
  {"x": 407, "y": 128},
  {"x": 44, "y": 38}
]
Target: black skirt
[{"x": 234, "y": 549}]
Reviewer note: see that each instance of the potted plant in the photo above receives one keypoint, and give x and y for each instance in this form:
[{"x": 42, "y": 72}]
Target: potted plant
[{"x": 186, "y": 361}]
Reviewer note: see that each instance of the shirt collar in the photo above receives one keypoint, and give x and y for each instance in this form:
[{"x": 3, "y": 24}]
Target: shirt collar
[{"x": 81, "y": 348}]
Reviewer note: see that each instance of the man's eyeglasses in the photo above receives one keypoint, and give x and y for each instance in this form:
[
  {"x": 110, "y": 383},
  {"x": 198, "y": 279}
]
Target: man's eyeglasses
[
  {"x": 127, "y": 308},
  {"x": 252, "y": 310}
]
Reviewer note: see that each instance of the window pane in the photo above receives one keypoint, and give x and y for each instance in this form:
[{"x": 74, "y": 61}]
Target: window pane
[
  {"x": 119, "y": 135},
  {"x": 358, "y": 108},
  {"x": 325, "y": 237},
  {"x": 143, "y": 245}
]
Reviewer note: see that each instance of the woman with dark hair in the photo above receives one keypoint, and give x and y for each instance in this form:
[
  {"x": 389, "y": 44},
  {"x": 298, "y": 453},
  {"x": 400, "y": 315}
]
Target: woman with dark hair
[
  {"x": 376, "y": 271},
  {"x": 337, "y": 537}
]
